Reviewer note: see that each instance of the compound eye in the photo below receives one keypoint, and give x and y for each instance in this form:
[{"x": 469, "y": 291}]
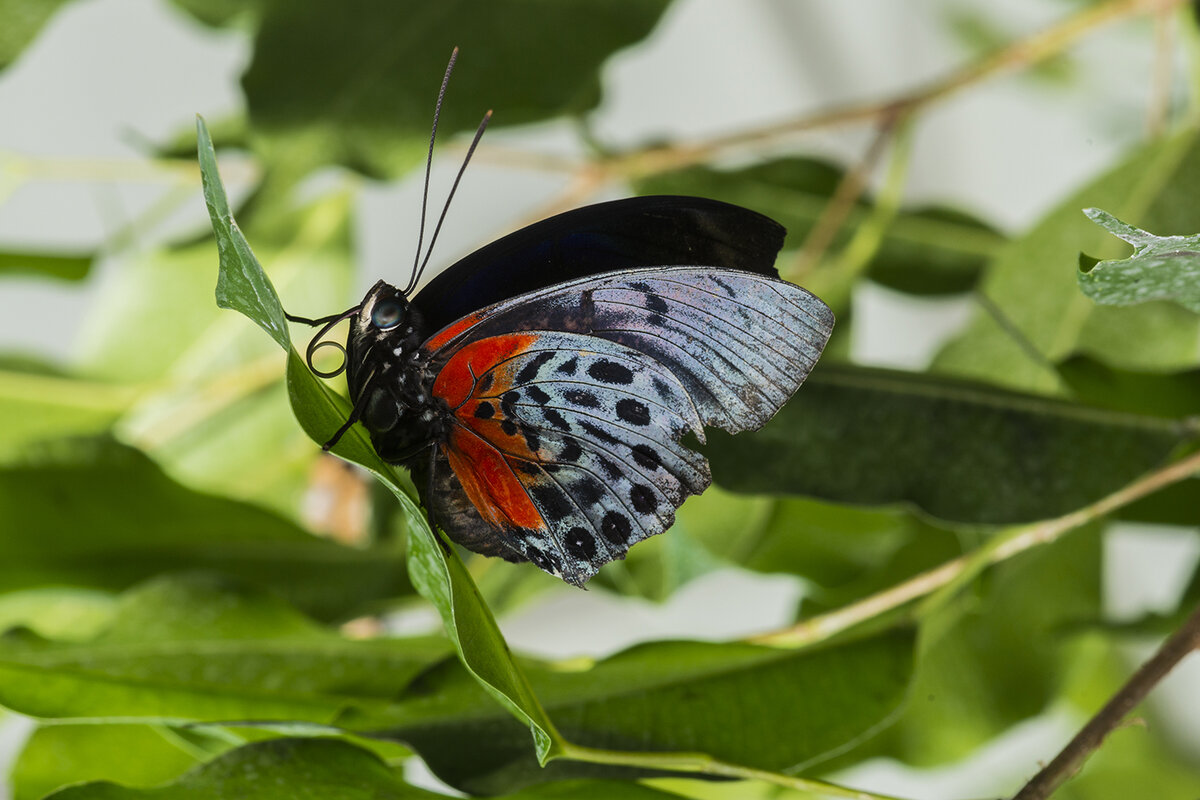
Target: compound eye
[{"x": 387, "y": 315}]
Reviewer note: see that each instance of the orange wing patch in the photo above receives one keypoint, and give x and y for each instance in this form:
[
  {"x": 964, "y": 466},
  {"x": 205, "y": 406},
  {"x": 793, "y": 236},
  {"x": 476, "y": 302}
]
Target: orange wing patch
[
  {"x": 456, "y": 381},
  {"x": 490, "y": 483},
  {"x": 439, "y": 339},
  {"x": 481, "y": 467}
]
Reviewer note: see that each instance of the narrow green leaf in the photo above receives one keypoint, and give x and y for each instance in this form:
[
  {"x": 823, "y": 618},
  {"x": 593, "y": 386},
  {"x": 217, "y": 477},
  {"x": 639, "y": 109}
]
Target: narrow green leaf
[
  {"x": 199, "y": 648},
  {"x": 99, "y": 515},
  {"x": 435, "y": 569},
  {"x": 757, "y": 706},
  {"x": 959, "y": 451},
  {"x": 241, "y": 283},
  {"x": 363, "y": 94},
  {"x": 65, "y": 267},
  {"x": 1161, "y": 268}
]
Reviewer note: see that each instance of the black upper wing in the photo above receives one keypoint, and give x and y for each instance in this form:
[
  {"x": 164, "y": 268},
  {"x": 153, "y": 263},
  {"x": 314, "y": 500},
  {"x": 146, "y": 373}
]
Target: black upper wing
[{"x": 658, "y": 230}]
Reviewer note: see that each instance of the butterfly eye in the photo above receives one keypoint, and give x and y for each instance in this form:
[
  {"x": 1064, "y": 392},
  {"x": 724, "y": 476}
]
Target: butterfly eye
[{"x": 386, "y": 315}]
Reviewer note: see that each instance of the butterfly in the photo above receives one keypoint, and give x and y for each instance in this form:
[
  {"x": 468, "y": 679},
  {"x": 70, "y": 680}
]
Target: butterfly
[{"x": 543, "y": 389}]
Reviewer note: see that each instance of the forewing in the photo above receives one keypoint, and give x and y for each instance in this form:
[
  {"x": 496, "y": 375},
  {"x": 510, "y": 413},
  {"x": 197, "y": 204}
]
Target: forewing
[
  {"x": 741, "y": 343},
  {"x": 602, "y": 238}
]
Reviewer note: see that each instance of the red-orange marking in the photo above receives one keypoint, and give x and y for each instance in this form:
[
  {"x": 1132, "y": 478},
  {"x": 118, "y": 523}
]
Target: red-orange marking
[
  {"x": 456, "y": 380},
  {"x": 450, "y": 331},
  {"x": 490, "y": 483}
]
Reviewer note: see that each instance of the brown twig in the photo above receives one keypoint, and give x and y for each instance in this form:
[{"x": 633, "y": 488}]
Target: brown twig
[
  {"x": 844, "y": 198},
  {"x": 645, "y": 162},
  {"x": 1068, "y": 762},
  {"x": 1014, "y": 541},
  {"x": 1017, "y": 55}
]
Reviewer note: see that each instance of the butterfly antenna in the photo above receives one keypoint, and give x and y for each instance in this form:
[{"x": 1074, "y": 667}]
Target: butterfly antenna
[
  {"x": 437, "y": 112},
  {"x": 454, "y": 188},
  {"x": 317, "y": 343}
]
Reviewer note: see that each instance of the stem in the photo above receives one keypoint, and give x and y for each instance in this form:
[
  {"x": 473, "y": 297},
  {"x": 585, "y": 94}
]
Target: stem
[
  {"x": 1183, "y": 642},
  {"x": 707, "y": 765},
  {"x": 1008, "y": 544}
]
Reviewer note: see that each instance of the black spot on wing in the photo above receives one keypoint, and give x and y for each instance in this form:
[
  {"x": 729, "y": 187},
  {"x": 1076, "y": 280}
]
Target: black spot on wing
[
  {"x": 485, "y": 411},
  {"x": 537, "y": 395},
  {"x": 633, "y": 411},
  {"x": 551, "y": 500},
  {"x": 646, "y": 456},
  {"x": 616, "y": 528},
  {"x": 556, "y": 419},
  {"x": 530, "y": 371},
  {"x": 643, "y": 498},
  {"x": 568, "y": 367},
  {"x": 582, "y": 398},
  {"x": 571, "y": 451},
  {"x": 580, "y": 543},
  {"x": 611, "y": 372}
]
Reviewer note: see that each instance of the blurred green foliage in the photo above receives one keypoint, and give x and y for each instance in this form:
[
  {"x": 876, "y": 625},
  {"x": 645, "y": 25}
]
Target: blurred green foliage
[{"x": 170, "y": 619}]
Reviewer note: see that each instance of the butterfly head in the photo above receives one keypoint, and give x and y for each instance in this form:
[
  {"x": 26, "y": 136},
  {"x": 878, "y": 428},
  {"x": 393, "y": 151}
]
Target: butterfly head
[{"x": 385, "y": 332}]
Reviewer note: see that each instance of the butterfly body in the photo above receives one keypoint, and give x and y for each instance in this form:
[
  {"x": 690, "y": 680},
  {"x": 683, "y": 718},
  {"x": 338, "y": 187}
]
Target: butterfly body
[{"x": 546, "y": 416}]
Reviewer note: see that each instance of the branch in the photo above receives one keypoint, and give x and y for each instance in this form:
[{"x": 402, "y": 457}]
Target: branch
[
  {"x": 1020, "y": 54},
  {"x": 1004, "y": 546},
  {"x": 1183, "y": 642}
]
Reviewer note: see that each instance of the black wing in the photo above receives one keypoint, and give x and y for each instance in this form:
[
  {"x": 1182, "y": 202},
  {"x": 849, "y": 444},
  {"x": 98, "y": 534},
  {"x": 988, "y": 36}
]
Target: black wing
[{"x": 660, "y": 230}]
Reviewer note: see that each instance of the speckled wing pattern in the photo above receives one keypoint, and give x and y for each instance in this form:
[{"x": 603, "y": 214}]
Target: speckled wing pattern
[{"x": 570, "y": 405}]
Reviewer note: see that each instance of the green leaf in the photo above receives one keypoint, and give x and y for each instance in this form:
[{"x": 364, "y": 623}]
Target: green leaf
[
  {"x": 58, "y": 755},
  {"x": 1036, "y": 316},
  {"x": 64, "y": 267},
  {"x": 1161, "y": 268},
  {"x": 757, "y": 706},
  {"x": 1172, "y": 395},
  {"x": 958, "y": 451},
  {"x": 924, "y": 251},
  {"x": 23, "y": 20},
  {"x": 57, "y": 612},
  {"x": 363, "y": 94},
  {"x": 96, "y": 514},
  {"x": 997, "y": 653},
  {"x": 199, "y": 648},
  {"x": 295, "y": 769},
  {"x": 436, "y": 571},
  {"x": 37, "y": 403},
  {"x": 318, "y": 769},
  {"x": 241, "y": 284}
]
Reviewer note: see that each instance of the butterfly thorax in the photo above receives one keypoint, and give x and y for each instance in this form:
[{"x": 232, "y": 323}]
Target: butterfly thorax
[{"x": 386, "y": 373}]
